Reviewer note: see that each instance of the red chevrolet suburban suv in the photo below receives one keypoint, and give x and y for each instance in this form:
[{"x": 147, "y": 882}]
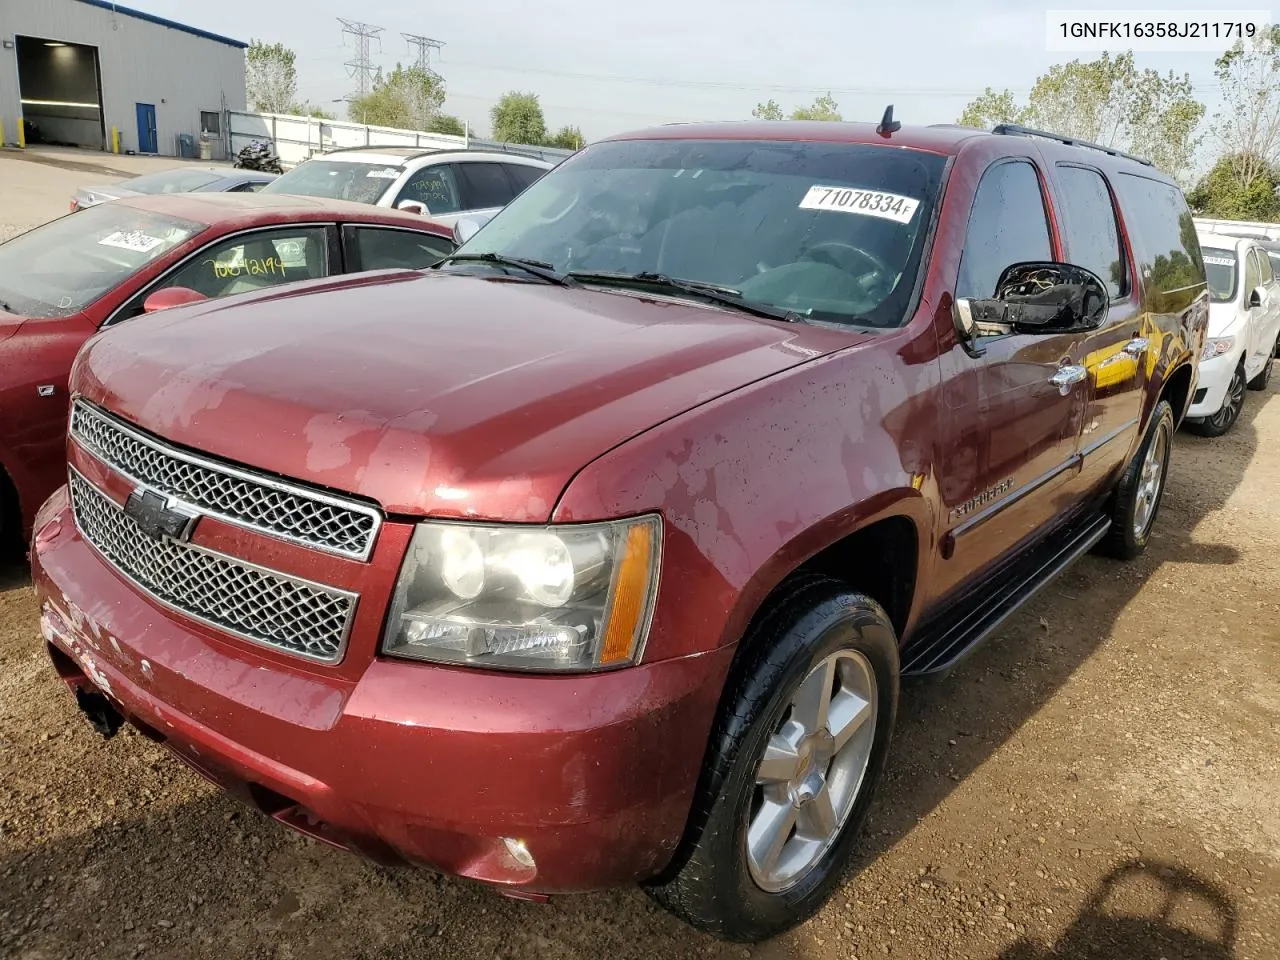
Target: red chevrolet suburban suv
[{"x": 596, "y": 554}]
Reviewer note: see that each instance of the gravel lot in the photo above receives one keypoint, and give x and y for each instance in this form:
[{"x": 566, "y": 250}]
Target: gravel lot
[{"x": 1099, "y": 781}]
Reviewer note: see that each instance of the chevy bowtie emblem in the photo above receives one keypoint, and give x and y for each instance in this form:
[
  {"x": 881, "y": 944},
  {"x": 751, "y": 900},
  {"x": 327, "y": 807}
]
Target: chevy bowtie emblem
[{"x": 153, "y": 514}]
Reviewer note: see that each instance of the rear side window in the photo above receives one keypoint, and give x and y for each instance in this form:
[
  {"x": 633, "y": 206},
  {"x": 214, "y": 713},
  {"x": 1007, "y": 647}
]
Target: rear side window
[
  {"x": 522, "y": 175},
  {"x": 378, "y": 248},
  {"x": 1007, "y": 225},
  {"x": 1089, "y": 227},
  {"x": 486, "y": 185},
  {"x": 1164, "y": 240}
]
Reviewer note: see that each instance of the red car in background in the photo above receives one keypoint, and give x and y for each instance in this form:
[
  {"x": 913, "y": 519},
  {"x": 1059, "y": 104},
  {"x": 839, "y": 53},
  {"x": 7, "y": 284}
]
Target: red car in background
[{"x": 63, "y": 282}]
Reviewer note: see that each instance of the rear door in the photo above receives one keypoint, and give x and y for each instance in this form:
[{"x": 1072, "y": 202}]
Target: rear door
[{"x": 1114, "y": 354}]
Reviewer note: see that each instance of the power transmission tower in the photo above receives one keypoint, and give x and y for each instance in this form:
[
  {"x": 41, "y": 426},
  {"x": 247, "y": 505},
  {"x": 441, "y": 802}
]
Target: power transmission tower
[
  {"x": 423, "y": 46},
  {"x": 360, "y": 67}
]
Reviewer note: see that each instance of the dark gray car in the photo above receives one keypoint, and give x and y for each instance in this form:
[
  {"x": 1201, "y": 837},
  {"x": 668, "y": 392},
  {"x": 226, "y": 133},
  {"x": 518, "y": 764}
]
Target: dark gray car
[{"x": 180, "y": 180}]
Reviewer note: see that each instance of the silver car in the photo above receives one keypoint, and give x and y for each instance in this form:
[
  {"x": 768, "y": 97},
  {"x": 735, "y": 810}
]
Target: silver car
[{"x": 180, "y": 180}]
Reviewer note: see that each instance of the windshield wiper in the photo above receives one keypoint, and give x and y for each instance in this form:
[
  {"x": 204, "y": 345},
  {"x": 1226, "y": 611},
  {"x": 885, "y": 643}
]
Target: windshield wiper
[
  {"x": 537, "y": 268},
  {"x": 725, "y": 296}
]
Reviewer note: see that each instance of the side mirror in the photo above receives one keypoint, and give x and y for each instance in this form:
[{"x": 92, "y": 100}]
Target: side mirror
[
  {"x": 1038, "y": 298},
  {"x": 168, "y": 297},
  {"x": 467, "y": 227},
  {"x": 1256, "y": 298},
  {"x": 413, "y": 206}
]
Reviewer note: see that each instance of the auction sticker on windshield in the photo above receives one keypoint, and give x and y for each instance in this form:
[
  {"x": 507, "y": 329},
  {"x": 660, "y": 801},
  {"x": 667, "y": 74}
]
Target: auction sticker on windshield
[
  {"x": 869, "y": 203},
  {"x": 133, "y": 240},
  {"x": 389, "y": 174},
  {"x": 1220, "y": 261}
]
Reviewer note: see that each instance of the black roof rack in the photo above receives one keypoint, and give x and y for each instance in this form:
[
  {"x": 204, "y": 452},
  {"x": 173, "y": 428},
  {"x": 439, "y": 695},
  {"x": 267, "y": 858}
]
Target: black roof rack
[{"x": 1014, "y": 129}]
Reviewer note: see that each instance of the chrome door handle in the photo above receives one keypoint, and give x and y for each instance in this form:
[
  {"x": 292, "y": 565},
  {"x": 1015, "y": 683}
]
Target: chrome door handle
[
  {"x": 1137, "y": 346},
  {"x": 1066, "y": 376}
]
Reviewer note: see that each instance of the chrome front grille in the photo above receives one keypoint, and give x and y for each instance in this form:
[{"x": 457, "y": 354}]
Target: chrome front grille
[
  {"x": 250, "y": 500},
  {"x": 264, "y": 606}
]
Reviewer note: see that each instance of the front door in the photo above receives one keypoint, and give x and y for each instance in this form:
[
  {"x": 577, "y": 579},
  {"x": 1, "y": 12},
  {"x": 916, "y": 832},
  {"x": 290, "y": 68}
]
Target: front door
[
  {"x": 1115, "y": 354},
  {"x": 1011, "y": 412},
  {"x": 147, "y": 140}
]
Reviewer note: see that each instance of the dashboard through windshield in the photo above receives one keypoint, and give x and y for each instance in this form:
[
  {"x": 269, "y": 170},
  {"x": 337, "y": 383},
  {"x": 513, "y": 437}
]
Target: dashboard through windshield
[{"x": 826, "y": 231}]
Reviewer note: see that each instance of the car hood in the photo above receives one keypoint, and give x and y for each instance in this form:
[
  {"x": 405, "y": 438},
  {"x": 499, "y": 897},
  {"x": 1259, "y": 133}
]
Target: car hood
[
  {"x": 9, "y": 324},
  {"x": 1223, "y": 319},
  {"x": 436, "y": 394}
]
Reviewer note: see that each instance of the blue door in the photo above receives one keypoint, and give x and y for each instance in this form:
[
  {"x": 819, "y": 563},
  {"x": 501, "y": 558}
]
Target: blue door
[{"x": 147, "y": 142}]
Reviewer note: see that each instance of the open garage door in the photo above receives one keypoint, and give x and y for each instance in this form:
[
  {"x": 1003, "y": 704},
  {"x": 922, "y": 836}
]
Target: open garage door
[{"x": 61, "y": 93}]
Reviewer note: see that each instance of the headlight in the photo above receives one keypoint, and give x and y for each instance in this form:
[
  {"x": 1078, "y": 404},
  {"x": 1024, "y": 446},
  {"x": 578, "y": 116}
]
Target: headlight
[
  {"x": 566, "y": 598},
  {"x": 1217, "y": 347}
]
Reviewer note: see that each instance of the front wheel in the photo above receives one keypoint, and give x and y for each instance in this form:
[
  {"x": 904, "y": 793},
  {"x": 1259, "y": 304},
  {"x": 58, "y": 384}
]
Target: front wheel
[
  {"x": 1227, "y": 415},
  {"x": 800, "y": 742},
  {"x": 1136, "y": 500}
]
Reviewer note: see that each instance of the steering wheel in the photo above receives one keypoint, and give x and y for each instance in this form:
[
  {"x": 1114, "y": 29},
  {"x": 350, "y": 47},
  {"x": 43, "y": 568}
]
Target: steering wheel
[{"x": 844, "y": 256}]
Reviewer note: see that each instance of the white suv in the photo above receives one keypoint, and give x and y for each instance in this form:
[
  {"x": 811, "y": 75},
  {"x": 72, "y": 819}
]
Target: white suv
[
  {"x": 442, "y": 184},
  {"x": 1244, "y": 327}
]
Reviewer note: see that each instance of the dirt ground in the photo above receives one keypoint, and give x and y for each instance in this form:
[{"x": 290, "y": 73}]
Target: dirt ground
[{"x": 1101, "y": 780}]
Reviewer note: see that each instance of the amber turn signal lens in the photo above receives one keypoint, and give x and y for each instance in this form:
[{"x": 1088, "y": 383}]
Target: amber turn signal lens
[{"x": 630, "y": 597}]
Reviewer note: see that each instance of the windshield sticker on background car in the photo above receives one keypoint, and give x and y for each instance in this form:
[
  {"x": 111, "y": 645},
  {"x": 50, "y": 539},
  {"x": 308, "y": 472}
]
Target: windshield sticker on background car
[
  {"x": 132, "y": 240},
  {"x": 1220, "y": 261},
  {"x": 869, "y": 203},
  {"x": 388, "y": 174}
]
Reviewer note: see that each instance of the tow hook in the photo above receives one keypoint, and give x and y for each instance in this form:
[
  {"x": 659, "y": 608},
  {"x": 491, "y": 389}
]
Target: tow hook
[{"x": 105, "y": 718}]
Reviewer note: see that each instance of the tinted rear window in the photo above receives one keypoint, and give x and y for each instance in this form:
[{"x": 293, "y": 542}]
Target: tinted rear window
[
  {"x": 1164, "y": 240},
  {"x": 1089, "y": 224}
]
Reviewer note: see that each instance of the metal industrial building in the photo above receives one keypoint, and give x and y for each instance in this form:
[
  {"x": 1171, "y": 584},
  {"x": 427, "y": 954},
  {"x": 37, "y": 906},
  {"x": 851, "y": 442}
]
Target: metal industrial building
[{"x": 91, "y": 73}]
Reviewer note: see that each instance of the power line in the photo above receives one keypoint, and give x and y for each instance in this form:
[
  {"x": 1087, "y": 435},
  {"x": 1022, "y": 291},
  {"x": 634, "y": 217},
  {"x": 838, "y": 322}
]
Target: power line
[{"x": 360, "y": 67}]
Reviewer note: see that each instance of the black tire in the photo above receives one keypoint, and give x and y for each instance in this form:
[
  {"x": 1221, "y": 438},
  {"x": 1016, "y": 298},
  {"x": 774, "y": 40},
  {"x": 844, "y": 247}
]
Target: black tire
[
  {"x": 1232, "y": 404},
  {"x": 710, "y": 884},
  {"x": 1129, "y": 531},
  {"x": 1263, "y": 379}
]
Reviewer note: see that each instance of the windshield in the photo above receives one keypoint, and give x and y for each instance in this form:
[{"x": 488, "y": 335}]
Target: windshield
[
  {"x": 62, "y": 267},
  {"x": 336, "y": 180},
  {"x": 827, "y": 231},
  {"x": 172, "y": 181},
  {"x": 1220, "y": 267}
]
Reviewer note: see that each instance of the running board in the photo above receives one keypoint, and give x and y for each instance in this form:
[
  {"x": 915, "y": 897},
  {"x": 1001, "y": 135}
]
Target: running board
[{"x": 956, "y": 633}]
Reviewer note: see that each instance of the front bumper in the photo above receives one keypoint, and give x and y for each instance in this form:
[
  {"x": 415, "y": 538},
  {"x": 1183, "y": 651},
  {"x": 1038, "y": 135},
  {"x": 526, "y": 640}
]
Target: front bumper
[
  {"x": 1211, "y": 389},
  {"x": 411, "y": 763}
]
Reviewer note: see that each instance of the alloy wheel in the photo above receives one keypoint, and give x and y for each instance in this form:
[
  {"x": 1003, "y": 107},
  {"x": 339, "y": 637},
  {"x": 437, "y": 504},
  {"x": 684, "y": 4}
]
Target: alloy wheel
[
  {"x": 1151, "y": 481},
  {"x": 1232, "y": 404},
  {"x": 811, "y": 771}
]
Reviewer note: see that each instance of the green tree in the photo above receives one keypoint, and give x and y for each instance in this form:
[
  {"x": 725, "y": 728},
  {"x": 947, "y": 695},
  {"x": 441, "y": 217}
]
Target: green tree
[
  {"x": 1248, "y": 126},
  {"x": 991, "y": 109},
  {"x": 767, "y": 111},
  {"x": 270, "y": 77},
  {"x": 517, "y": 118},
  {"x": 1220, "y": 194},
  {"x": 309, "y": 109},
  {"x": 444, "y": 123},
  {"x": 1107, "y": 101},
  {"x": 567, "y": 138},
  {"x": 822, "y": 108},
  {"x": 408, "y": 98}
]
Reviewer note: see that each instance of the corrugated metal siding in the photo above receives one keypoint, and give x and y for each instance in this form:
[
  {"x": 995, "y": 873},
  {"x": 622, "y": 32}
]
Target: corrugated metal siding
[{"x": 141, "y": 62}]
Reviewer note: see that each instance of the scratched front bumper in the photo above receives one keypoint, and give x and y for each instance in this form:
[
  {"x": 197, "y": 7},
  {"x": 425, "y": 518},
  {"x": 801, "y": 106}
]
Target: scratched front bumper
[{"x": 412, "y": 762}]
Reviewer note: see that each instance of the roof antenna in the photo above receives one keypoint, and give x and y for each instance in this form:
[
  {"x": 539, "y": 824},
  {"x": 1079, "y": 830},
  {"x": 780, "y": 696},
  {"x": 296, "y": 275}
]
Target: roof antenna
[{"x": 888, "y": 125}]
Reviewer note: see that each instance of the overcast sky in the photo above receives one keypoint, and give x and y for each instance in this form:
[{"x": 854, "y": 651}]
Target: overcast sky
[{"x": 612, "y": 66}]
